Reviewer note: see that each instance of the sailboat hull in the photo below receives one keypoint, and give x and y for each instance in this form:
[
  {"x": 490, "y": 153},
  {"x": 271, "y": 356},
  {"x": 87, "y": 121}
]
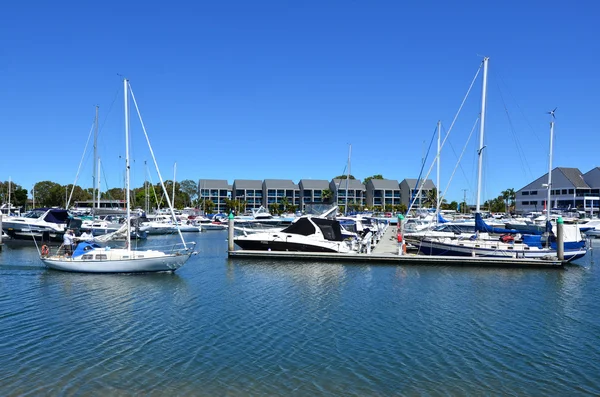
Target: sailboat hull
[
  {"x": 452, "y": 249},
  {"x": 166, "y": 263}
]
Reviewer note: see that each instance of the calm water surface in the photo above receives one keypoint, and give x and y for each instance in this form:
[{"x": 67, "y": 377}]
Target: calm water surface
[{"x": 248, "y": 327}]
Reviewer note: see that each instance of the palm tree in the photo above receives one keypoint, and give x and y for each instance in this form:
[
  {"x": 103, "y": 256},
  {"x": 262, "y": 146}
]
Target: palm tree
[
  {"x": 431, "y": 198},
  {"x": 508, "y": 195},
  {"x": 512, "y": 197},
  {"x": 327, "y": 195},
  {"x": 284, "y": 203}
]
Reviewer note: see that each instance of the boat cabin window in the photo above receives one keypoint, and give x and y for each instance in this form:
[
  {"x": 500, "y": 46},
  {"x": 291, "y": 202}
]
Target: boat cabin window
[
  {"x": 331, "y": 229},
  {"x": 87, "y": 257},
  {"x": 101, "y": 256}
]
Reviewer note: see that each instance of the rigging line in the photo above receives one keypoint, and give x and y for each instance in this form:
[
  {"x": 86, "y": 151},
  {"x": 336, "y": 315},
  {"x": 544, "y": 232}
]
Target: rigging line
[
  {"x": 450, "y": 129},
  {"x": 79, "y": 168},
  {"x": 413, "y": 198},
  {"x": 154, "y": 190},
  {"x": 109, "y": 109},
  {"x": 107, "y": 191},
  {"x": 341, "y": 179},
  {"x": 156, "y": 165},
  {"x": 499, "y": 77},
  {"x": 520, "y": 150},
  {"x": 460, "y": 165},
  {"x": 459, "y": 159}
]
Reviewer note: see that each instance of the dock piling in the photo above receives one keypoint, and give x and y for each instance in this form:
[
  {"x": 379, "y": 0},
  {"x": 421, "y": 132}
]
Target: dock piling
[
  {"x": 560, "y": 243},
  {"x": 400, "y": 227},
  {"x": 230, "y": 230}
]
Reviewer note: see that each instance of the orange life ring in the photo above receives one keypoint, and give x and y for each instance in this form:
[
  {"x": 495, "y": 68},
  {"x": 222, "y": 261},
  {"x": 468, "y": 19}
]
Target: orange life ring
[{"x": 45, "y": 250}]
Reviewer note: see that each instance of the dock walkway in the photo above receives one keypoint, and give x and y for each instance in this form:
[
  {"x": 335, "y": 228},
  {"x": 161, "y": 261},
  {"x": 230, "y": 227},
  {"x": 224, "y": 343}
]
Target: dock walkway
[
  {"x": 386, "y": 252},
  {"x": 388, "y": 243}
]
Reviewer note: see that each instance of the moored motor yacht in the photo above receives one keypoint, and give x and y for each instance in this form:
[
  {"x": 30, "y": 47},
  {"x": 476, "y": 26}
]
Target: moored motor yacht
[
  {"x": 307, "y": 234},
  {"x": 41, "y": 223}
]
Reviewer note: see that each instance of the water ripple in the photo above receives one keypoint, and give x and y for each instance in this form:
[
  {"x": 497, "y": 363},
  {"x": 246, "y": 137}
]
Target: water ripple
[{"x": 245, "y": 327}]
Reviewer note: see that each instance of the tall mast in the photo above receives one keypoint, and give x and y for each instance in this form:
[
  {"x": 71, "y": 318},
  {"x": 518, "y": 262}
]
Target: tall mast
[
  {"x": 437, "y": 182},
  {"x": 9, "y": 182},
  {"x": 126, "y": 94},
  {"x": 347, "y": 180},
  {"x": 174, "y": 175},
  {"x": 481, "y": 131},
  {"x": 548, "y": 202},
  {"x": 95, "y": 177},
  {"x": 98, "y": 186},
  {"x": 146, "y": 188}
]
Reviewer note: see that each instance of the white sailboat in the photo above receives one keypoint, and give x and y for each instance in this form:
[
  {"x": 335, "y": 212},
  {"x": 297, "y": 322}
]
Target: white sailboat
[
  {"x": 480, "y": 245},
  {"x": 92, "y": 258}
]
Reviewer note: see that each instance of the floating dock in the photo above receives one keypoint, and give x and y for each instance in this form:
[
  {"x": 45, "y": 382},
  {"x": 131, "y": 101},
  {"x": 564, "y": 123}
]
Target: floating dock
[
  {"x": 391, "y": 259},
  {"x": 386, "y": 252}
]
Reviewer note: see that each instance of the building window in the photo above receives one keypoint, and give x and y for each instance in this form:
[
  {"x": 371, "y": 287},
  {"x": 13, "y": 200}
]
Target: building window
[
  {"x": 571, "y": 191},
  {"x": 534, "y": 192},
  {"x": 526, "y": 193},
  {"x": 564, "y": 191}
]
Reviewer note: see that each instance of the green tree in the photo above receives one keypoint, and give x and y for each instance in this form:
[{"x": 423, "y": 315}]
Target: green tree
[
  {"x": 431, "y": 198},
  {"x": 284, "y": 204},
  {"x": 495, "y": 205},
  {"x": 207, "y": 205},
  {"x": 367, "y": 179},
  {"x": 49, "y": 194},
  {"x": 237, "y": 206},
  {"x": 78, "y": 194},
  {"x": 139, "y": 195},
  {"x": 327, "y": 195},
  {"x": 274, "y": 209},
  {"x": 116, "y": 193},
  {"x": 18, "y": 195},
  {"x": 190, "y": 188},
  {"x": 344, "y": 177},
  {"x": 508, "y": 196},
  {"x": 402, "y": 208}
]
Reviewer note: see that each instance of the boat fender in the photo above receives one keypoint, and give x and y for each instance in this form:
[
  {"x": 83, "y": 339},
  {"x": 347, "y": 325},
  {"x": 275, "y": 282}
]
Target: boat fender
[{"x": 45, "y": 250}]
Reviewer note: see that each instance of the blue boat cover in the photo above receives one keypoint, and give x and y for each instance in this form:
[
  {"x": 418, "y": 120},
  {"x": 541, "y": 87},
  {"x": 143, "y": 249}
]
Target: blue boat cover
[
  {"x": 481, "y": 226},
  {"x": 83, "y": 247},
  {"x": 441, "y": 219},
  {"x": 536, "y": 241},
  {"x": 57, "y": 216}
]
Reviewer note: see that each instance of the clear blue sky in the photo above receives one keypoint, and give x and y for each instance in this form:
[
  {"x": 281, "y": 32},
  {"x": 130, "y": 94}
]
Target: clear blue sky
[{"x": 278, "y": 89}]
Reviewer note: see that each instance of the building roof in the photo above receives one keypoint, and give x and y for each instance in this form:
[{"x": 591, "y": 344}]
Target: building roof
[
  {"x": 572, "y": 175},
  {"x": 353, "y": 184},
  {"x": 412, "y": 183},
  {"x": 592, "y": 178},
  {"x": 279, "y": 184},
  {"x": 385, "y": 184},
  {"x": 213, "y": 184},
  {"x": 314, "y": 184},
  {"x": 253, "y": 184}
]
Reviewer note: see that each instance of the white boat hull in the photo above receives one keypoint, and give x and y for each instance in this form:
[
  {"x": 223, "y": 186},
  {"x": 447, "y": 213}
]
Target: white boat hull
[{"x": 149, "y": 261}]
